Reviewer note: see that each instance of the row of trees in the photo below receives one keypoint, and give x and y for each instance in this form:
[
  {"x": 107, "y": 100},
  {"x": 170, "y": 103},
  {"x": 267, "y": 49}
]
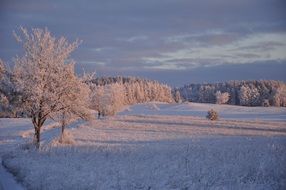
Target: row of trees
[
  {"x": 109, "y": 94},
  {"x": 245, "y": 93}
]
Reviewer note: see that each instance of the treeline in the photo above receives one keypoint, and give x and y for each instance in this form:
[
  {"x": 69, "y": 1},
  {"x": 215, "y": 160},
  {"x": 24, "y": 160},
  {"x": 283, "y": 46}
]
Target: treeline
[
  {"x": 245, "y": 93},
  {"x": 101, "y": 81},
  {"x": 109, "y": 94}
]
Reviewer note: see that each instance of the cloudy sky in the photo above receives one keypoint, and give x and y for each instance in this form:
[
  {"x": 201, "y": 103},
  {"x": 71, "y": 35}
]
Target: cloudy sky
[{"x": 173, "y": 41}]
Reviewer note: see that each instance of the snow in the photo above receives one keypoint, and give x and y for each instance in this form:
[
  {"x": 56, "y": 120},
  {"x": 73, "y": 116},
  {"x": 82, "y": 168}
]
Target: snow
[
  {"x": 229, "y": 112},
  {"x": 10, "y": 136},
  {"x": 154, "y": 146},
  {"x": 7, "y": 180}
]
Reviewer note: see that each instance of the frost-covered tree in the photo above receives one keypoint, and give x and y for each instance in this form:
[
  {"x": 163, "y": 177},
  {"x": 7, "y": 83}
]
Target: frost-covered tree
[
  {"x": 282, "y": 94},
  {"x": 278, "y": 96},
  {"x": 113, "y": 99},
  {"x": 2, "y": 69},
  {"x": 107, "y": 99},
  {"x": 177, "y": 96},
  {"x": 221, "y": 98},
  {"x": 4, "y": 102},
  {"x": 118, "y": 94},
  {"x": 45, "y": 77},
  {"x": 8, "y": 96},
  {"x": 248, "y": 96},
  {"x": 75, "y": 103},
  {"x": 3, "y": 99},
  {"x": 206, "y": 94},
  {"x": 97, "y": 94}
]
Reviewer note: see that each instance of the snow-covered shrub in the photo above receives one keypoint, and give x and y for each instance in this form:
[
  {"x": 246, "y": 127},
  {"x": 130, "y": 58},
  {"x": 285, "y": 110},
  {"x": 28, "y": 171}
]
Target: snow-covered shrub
[{"x": 212, "y": 115}]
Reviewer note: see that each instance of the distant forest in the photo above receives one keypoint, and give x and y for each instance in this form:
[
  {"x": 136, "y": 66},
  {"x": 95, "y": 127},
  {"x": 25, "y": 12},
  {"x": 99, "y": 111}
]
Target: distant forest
[
  {"x": 101, "y": 81},
  {"x": 245, "y": 93}
]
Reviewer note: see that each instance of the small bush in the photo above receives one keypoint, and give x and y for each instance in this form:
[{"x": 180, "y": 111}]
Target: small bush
[{"x": 212, "y": 115}]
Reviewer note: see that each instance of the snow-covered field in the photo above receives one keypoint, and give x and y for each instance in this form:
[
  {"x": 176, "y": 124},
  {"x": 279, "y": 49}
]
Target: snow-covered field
[
  {"x": 198, "y": 109},
  {"x": 154, "y": 146}
]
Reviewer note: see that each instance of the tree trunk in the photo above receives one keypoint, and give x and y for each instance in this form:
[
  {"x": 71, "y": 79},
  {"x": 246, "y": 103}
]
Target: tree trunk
[
  {"x": 63, "y": 127},
  {"x": 37, "y": 136},
  {"x": 38, "y": 123},
  {"x": 63, "y": 132}
]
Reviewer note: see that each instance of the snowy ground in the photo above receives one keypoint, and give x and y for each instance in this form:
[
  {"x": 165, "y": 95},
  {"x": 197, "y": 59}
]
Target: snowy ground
[
  {"x": 155, "y": 146},
  {"x": 198, "y": 109}
]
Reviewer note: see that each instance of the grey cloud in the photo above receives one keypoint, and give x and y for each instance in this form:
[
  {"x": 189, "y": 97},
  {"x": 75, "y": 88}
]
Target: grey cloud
[
  {"x": 263, "y": 46},
  {"x": 208, "y": 38},
  {"x": 256, "y": 71},
  {"x": 134, "y": 38}
]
